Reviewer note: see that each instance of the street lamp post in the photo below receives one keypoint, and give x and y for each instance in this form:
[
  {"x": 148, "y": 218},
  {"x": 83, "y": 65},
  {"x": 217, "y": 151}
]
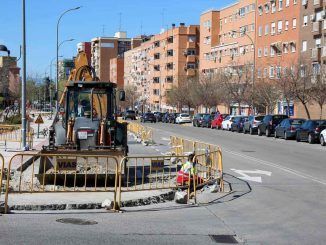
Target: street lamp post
[
  {"x": 253, "y": 69},
  {"x": 57, "y": 81},
  {"x": 23, "y": 101}
]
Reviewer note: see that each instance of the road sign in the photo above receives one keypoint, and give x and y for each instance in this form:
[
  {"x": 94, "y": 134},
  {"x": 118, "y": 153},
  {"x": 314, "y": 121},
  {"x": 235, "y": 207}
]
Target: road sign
[
  {"x": 245, "y": 175},
  {"x": 39, "y": 119}
]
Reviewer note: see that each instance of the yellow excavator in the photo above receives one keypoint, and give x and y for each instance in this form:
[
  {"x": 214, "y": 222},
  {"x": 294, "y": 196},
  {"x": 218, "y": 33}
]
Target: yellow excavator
[{"x": 86, "y": 122}]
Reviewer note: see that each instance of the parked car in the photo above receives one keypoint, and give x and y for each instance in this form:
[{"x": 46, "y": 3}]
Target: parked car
[
  {"x": 129, "y": 114},
  {"x": 226, "y": 124},
  {"x": 217, "y": 121},
  {"x": 322, "y": 137},
  {"x": 198, "y": 119},
  {"x": 251, "y": 125},
  {"x": 207, "y": 120},
  {"x": 172, "y": 117},
  {"x": 158, "y": 116},
  {"x": 310, "y": 131},
  {"x": 183, "y": 118},
  {"x": 269, "y": 123},
  {"x": 148, "y": 117},
  {"x": 237, "y": 123},
  {"x": 165, "y": 117},
  {"x": 288, "y": 127}
]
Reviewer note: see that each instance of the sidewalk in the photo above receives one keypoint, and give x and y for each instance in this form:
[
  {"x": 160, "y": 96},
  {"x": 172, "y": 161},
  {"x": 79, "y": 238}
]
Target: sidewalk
[{"x": 14, "y": 148}]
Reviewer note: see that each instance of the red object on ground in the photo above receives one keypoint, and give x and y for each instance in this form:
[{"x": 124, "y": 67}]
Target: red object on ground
[{"x": 183, "y": 178}]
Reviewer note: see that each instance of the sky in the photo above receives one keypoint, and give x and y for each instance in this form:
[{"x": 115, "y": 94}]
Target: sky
[{"x": 95, "y": 18}]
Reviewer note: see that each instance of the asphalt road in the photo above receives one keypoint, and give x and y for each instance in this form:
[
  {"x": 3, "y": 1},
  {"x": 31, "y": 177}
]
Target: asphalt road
[{"x": 279, "y": 197}]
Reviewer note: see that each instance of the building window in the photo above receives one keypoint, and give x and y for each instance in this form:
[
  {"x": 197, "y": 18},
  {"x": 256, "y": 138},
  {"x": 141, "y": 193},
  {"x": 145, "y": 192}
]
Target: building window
[
  {"x": 192, "y": 39},
  {"x": 156, "y": 80},
  {"x": 278, "y": 72},
  {"x": 273, "y": 7},
  {"x": 169, "y": 52},
  {"x": 207, "y": 40},
  {"x": 280, "y": 4},
  {"x": 295, "y": 1},
  {"x": 157, "y": 67},
  {"x": 169, "y": 79},
  {"x": 305, "y": 20},
  {"x": 273, "y": 28},
  {"x": 157, "y": 44},
  {"x": 265, "y": 51},
  {"x": 265, "y": 72},
  {"x": 260, "y": 30},
  {"x": 266, "y": 29},
  {"x": 260, "y": 10},
  {"x": 157, "y": 56},
  {"x": 315, "y": 69},
  {"x": 170, "y": 39},
  {"x": 266, "y": 8},
  {"x": 304, "y": 46},
  {"x": 279, "y": 26},
  {"x": 271, "y": 71},
  {"x": 318, "y": 42},
  {"x": 286, "y": 25},
  {"x": 294, "y": 23},
  {"x": 287, "y": 3},
  {"x": 259, "y": 52},
  {"x": 293, "y": 47},
  {"x": 272, "y": 51},
  {"x": 285, "y": 48},
  {"x": 259, "y": 73},
  {"x": 156, "y": 91},
  {"x": 169, "y": 66}
]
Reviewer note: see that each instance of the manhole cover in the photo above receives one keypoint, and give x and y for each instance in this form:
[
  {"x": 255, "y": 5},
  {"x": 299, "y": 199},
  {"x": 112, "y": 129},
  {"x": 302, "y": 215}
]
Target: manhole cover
[
  {"x": 229, "y": 239},
  {"x": 248, "y": 151},
  {"x": 74, "y": 221}
]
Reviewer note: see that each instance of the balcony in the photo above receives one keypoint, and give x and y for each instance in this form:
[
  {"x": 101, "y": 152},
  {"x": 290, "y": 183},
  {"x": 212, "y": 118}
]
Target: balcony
[
  {"x": 316, "y": 54},
  {"x": 191, "y": 72},
  {"x": 191, "y": 45},
  {"x": 191, "y": 59},
  {"x": 317, "y": 27}
]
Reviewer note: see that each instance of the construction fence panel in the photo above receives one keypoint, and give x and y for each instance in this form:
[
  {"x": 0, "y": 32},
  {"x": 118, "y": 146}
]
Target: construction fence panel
[
  {"x": 145, "y": 173},
  {"x": 44, "y": 173},
  {"x": 143, "y": 132},
  {"x": 14, "y": 134},
  {"x": 2, "y": 172}
]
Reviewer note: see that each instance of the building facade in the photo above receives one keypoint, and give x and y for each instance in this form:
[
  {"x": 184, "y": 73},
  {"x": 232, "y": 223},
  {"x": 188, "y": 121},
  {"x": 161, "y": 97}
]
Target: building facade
[
  {"x": 117, "y": 71},
  {"x": 103, "y": 49},
  {"x": 64, "y": 68},
  {"x": 9, "y": 80},
  {"x": 162, "y": 62}
]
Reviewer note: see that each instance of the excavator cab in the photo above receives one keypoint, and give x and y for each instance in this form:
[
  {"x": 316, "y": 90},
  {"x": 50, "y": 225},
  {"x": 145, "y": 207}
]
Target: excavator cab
[{"x": 87, "y": 119}]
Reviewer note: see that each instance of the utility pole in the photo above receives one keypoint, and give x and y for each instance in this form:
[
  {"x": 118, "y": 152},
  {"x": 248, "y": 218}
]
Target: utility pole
[{"x": 23, "y": 101}]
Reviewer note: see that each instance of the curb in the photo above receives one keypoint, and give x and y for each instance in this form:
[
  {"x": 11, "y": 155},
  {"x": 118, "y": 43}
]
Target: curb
[{"x": 130, "y": 203}]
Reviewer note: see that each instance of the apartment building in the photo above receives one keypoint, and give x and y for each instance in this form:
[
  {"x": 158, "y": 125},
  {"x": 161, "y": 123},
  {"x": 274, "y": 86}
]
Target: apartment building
[
  {"x": 117, "y": 71},
  {"x": 9, "y": 80},
  {"x": 86, "y": 48},
  {"x": 227, "y": 37},
  {"x": 103, "y": 49},
  {"x": 313, "y": 45},
  {"x": 64, "y": 68},
  {"x": 163, "y": 61}
]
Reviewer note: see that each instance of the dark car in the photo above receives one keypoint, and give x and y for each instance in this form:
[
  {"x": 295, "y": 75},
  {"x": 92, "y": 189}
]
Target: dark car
[
  {"x": 148, "y": 117},
  {"x": 251, "y": 125},
  {"x": 310, "y": 131},
  {"x": 287, "y": 129},
  {"x": 237, "y": 124},
  {"x": 207, "y": 120},
  {"x": 198, "y": 119},
  {"x": 159, "y": 116},
  {"x": 269, "y": 123},
  {"x": 172, "y": 117},
  {"x": 129, "y": 114}
]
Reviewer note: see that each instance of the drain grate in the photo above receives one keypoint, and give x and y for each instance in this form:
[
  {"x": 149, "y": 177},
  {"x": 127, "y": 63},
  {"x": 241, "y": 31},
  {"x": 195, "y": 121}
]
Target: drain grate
[
  {"x": 228, "y": 239},
  {"x": 74, "y": 221}
]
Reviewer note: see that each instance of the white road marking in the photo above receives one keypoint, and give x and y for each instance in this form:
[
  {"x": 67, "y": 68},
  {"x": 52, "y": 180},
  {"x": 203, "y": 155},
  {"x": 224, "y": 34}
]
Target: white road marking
[
  {"x": 165, "y": 139},
  {"x": 245, "y": 175},
  {"x": 278, "y": 166}
]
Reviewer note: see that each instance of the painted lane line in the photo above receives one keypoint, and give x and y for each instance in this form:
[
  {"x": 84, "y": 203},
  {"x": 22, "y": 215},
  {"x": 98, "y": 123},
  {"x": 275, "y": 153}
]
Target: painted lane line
[
  {"x": 245, "y": 176},
  {"x": 278, "y": 166}
]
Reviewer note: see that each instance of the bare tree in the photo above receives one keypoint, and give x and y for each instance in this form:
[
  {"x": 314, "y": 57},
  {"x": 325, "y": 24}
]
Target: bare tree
[
  {"x": 284, "y": 85},
  {"x": 237, "y": 83},
  {"x": 319, "y": 87},
  {"x": 131, "y": 97},
  {"x": 267, "y": 94}
]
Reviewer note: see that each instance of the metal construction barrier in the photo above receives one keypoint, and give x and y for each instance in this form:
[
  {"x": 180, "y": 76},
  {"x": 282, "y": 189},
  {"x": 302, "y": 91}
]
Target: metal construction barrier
[
  {"x": 2, "y": 173},
  {"x": 44, "y": 173},
  {"x": 15, "y": 135},
  {"x": 182, "y": 146},
  {"x": 144, "y": 173},
  {"x": 143, "y": 132}
]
